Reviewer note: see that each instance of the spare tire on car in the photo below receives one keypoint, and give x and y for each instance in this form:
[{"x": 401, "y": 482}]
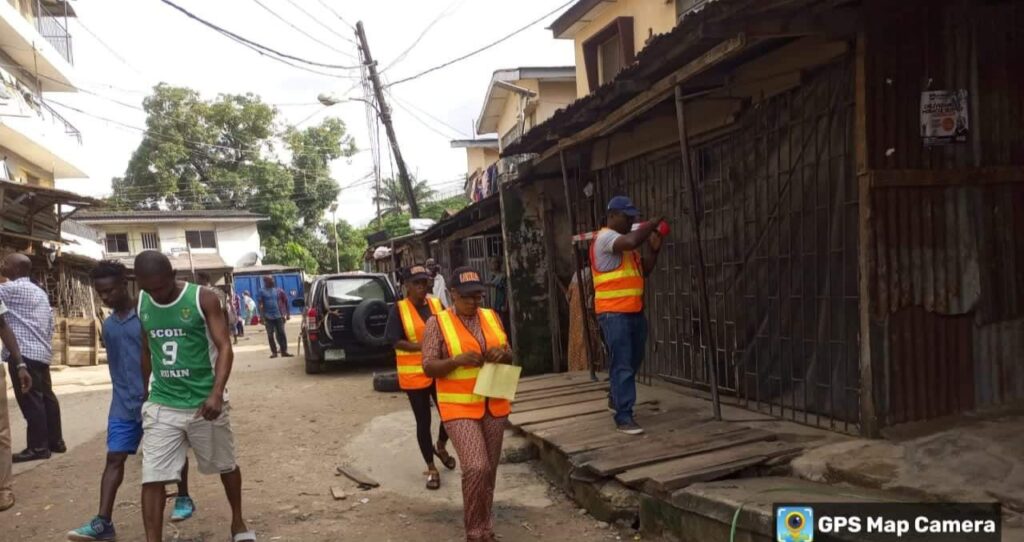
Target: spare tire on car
[
  {"x": 386, "y": 382},
  {"x": 360, "y": 322}
]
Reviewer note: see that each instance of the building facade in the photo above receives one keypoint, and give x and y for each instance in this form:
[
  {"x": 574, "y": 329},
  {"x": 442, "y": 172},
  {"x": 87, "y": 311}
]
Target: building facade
[{"x": 218, "y": 239}]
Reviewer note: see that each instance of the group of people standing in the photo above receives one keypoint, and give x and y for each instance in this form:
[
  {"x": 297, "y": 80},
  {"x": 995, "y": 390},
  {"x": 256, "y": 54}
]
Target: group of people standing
[
  {"x": 441, "y": 342},
  {"x": 169, "y": 356}
]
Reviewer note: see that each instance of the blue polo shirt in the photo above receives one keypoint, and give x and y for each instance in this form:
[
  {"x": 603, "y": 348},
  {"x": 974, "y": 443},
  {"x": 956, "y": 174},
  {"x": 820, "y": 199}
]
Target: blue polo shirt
[{"x": 123, "y": 339}]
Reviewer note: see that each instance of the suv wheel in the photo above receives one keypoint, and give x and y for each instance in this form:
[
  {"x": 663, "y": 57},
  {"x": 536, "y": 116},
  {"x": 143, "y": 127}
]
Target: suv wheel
[{"x": 313, "y": 366}]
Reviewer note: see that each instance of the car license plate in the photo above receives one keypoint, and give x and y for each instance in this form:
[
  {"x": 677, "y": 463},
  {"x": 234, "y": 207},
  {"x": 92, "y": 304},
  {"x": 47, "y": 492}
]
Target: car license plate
[{"x": 334, "y": 355}]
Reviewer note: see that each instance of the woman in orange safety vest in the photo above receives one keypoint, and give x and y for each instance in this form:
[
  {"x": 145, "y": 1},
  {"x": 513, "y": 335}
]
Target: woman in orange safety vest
[
  {"x": 405, "y": 331},
  {"x": 456, "y": 343}
]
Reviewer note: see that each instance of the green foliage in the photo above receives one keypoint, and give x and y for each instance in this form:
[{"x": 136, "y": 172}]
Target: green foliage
[
  {"x": 221, "y": 154},
  {"x": 292, "y": 254},
  {"x": 398, "y": 224},
  {"x": 351, "y": 243},
  {"x": 392, "y": 198}
]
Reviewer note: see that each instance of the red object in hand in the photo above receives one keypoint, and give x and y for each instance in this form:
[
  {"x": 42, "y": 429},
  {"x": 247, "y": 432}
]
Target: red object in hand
[{"x": 663, "y": 228}]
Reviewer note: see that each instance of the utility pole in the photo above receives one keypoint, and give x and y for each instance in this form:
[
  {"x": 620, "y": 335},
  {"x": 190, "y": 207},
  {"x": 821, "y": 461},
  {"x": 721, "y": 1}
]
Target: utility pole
[
  {"x": 385, "y": 117},
  {"x": 337, "y": 247}
]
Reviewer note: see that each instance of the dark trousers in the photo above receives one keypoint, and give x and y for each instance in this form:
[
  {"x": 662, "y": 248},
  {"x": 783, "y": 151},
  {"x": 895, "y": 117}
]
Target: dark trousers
[
  {"x": 275, "y": 327},
  {"x": 39, "y": 406},
  {"x": 419, "y": 400},
  {"x": 625, "y": 335}
]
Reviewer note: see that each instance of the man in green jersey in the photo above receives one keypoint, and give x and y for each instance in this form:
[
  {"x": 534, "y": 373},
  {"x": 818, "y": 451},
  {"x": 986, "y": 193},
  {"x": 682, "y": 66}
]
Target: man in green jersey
[{"x": 186, "y": 350}]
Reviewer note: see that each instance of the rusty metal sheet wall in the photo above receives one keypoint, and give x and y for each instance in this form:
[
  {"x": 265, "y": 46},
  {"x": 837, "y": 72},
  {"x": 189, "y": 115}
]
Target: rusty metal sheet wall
[
  {"x": 948, "y": 285},
  {"x": 778, "y": 208},
  {"x": 919, "y": 45},
  {"x": 926, "y": 249}
]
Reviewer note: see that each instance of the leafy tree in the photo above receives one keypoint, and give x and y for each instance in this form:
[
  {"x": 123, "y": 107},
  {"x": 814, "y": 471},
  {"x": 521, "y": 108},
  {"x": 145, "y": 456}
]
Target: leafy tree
[
  {"x": 398, "y": 224},
  {"x": 222, "y": 154},
  {"x": 351, "y": 243},
  {"x": 392, "y": 197}
]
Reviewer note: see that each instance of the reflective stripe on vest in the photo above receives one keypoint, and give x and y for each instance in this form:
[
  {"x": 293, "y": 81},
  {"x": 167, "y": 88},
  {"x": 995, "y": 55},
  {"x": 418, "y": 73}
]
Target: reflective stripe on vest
[
  {"x": 621, "y": 289},
  {"x": 410, "y": 364},
  {"x": 455, "y": 396}
]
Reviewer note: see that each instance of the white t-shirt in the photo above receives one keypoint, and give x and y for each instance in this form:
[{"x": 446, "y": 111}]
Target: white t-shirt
[{"x": 604, "y": 252}]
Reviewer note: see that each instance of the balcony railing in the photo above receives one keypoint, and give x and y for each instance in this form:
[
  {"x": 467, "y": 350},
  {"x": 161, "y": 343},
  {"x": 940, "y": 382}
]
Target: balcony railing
[
  {"x": 54, "y": 28},
  {"x": 512, "y": 135}
]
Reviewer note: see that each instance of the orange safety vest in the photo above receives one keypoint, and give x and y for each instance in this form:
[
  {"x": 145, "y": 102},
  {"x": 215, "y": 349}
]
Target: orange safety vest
[
  {"x": 621, "y": 289},
  {"x": 455, "y": 395},
  {"x": 410, "y": 364}
]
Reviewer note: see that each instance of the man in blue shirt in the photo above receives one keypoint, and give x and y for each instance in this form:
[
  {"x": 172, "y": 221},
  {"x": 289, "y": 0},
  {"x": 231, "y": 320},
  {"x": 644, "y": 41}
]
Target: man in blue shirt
[
  {"x": 122, "y": 335},
  {"x": 274, "y": 312}
]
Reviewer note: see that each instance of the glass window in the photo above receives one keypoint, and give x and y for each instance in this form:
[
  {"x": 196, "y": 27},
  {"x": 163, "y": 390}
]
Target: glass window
[
  {"x": 201, "y": 238},
  {"x": 116, "y": 243},
  {"x": 610, "y": 61},
  {"x": 351, "y": 291}
]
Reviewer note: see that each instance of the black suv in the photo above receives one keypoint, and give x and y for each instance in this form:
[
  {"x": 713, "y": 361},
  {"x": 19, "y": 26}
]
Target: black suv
[{"x": 346, "y": 316}]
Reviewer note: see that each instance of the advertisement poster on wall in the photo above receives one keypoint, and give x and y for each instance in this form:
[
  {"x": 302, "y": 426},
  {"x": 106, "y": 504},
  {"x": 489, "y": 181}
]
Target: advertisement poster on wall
[{"x": 944, "y": 117}]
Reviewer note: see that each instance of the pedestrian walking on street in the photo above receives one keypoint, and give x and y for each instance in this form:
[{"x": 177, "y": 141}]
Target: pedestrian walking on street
[
  {"x": 456, "y": 343},
  {"x": 236, "y": 307},
  {"x": 186, "y": 349},
  {"x": 248, "y": 307},
  {"x": 122, "y": 337},
  {"x": 31, "y": 319},
  {"x": 440, "y": 289},
  {"x": 23, "y": 383},
  {"x": 274, "y": 312},
  {"x": 618, "y": 273},
  {"x": 203, "y": 279},
  {"x": 405, "y": 328}
]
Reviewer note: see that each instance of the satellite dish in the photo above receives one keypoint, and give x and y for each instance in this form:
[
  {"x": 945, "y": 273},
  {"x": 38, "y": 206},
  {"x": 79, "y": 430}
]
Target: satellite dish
[{"x": 247, "y": 260}]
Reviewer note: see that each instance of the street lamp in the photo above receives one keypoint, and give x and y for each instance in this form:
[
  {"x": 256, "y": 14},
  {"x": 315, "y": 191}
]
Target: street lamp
[
  {"x": 334, "y": 225},
  {"x": 328, "y": 99}
]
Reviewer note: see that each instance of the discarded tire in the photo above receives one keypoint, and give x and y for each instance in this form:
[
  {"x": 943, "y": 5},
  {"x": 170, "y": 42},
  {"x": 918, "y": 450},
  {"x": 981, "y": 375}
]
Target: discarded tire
[
  {"x": 385, "y": 382},
  {"x": 360, "y": 320}
]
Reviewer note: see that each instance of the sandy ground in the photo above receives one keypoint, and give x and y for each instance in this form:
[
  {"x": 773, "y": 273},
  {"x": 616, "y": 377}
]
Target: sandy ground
[{"x": 292, "y": 431}]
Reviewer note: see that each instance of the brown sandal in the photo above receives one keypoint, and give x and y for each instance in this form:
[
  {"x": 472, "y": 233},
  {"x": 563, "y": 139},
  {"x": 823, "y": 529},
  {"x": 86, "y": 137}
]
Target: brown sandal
[
  {"x": 433, "y": 480},
  {"x": 446, "y": 459}
]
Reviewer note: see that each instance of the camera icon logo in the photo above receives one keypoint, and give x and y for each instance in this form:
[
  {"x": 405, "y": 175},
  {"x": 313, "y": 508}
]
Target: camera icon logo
[{"x": 794, "y": 524}]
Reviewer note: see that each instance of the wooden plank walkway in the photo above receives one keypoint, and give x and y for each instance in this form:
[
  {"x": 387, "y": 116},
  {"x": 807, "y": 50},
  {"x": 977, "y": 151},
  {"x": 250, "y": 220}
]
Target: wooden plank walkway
[{"x": 678, "y": 448}]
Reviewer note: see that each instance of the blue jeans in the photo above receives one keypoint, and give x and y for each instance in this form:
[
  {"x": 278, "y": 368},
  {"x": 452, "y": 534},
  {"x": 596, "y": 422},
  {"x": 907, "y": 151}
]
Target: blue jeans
[{"x": 625, "y": 335}]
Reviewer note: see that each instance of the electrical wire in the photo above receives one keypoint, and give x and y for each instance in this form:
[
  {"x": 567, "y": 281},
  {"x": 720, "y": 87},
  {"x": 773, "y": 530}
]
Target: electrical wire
[
  {"x": 336, "y": 14},
  {"x": 424, "y": 123},
  {"x": 252, "y": 43},
  {"x": 317, "y": 20},
  {"x": 447, "y": 11},
  {"x": 300, "y": 30},
  {"x": 481, "y": 49},
  {"x": 405, "y": 105}
]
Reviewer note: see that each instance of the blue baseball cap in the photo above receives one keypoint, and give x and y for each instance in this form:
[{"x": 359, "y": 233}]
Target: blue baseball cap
[{"x": 623, "y": 205}]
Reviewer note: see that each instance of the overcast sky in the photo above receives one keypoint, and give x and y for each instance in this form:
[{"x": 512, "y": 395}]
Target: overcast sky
[{"x": 157, "y": 44}]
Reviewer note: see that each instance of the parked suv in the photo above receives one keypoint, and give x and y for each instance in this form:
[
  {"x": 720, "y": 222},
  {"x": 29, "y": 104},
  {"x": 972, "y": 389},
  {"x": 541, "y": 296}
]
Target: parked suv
[{"x": 346, "y": 317}]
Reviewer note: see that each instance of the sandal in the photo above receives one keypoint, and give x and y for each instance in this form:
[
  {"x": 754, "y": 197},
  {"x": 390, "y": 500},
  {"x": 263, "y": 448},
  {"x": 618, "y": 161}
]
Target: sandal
[
  {"x": 247, "y": 536},
  {"x": 433, "y": 480},
  {"x": 446, "y": 459}
]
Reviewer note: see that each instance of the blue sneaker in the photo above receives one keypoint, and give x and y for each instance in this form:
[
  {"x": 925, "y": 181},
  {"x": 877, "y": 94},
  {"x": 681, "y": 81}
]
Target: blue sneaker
[
  {"x": 183, "y": 509},
  {"x": 97, "y": 529}
]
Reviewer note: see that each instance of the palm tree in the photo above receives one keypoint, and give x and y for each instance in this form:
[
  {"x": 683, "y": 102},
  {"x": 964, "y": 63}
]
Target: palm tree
[{"x": 392, "y": 198}]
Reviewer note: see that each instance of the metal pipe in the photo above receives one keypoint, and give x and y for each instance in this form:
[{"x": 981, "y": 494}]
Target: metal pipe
[{"x": 698, "y": 254}]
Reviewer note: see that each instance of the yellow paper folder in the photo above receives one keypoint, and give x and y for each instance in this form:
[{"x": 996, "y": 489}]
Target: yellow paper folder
[{"x": 498, "y": 380}]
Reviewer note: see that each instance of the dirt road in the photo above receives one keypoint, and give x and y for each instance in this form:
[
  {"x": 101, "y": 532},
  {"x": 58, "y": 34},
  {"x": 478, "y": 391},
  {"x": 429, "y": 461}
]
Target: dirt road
[{"x": 292, "y": 432}]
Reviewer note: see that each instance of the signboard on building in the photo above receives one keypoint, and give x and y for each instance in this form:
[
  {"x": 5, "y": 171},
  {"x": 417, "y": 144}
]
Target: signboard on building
[{"x": 944, "y": 117}]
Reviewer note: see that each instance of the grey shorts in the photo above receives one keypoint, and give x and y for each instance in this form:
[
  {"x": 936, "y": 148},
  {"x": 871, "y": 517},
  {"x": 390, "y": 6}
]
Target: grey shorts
[{"x": 167, "y": 435}]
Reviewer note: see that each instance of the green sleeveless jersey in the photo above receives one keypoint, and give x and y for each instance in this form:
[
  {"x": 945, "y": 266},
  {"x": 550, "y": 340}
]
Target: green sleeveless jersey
[{"x": 181, "y": 351}]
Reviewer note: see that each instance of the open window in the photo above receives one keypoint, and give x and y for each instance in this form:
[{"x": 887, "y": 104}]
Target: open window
[{"x": 608, "y": 52}]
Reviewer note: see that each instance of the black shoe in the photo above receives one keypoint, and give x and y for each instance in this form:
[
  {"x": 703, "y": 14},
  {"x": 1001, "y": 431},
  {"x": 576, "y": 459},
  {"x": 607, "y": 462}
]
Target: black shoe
[
  {"x": 274, "y": 355},
  {"x": 59, "y": 448},
  {"x": 631, "y": 428},
  {"x": 611, "y": 405},
  {"x": 287, "y": 355},
  {"x": 30, "y": 455}
]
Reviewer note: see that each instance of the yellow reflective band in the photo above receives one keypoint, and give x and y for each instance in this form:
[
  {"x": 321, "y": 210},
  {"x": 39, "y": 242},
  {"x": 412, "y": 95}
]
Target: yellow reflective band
[
  {"x": 410, "y": 369},
  {"x": 406, "y": 353},
  {"x": 613, "y": 275},
  {"x": 463, "y": 373},
  {"x": 450, "y": 336},
  {"x": 459, "y": 398},
  {"x": 613, "y": 294},
  {"x": 407, "y": 323},
  {"x": 435, "y": 304},
  {"x": 492, "y": 321}
]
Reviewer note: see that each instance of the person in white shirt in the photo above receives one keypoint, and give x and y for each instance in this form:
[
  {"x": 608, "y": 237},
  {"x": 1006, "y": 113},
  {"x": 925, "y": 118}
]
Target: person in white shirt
[{"x": 440, "y": 289}]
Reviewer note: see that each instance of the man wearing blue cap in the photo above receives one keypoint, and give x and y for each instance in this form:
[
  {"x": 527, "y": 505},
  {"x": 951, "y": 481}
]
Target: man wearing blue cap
[{"x": 619, "y": 272}]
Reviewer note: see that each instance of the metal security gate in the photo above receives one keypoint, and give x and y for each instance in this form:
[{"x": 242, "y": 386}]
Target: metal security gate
[
  {"x": 778, "y": 210},
  {"x": 479, "y": 251}
]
